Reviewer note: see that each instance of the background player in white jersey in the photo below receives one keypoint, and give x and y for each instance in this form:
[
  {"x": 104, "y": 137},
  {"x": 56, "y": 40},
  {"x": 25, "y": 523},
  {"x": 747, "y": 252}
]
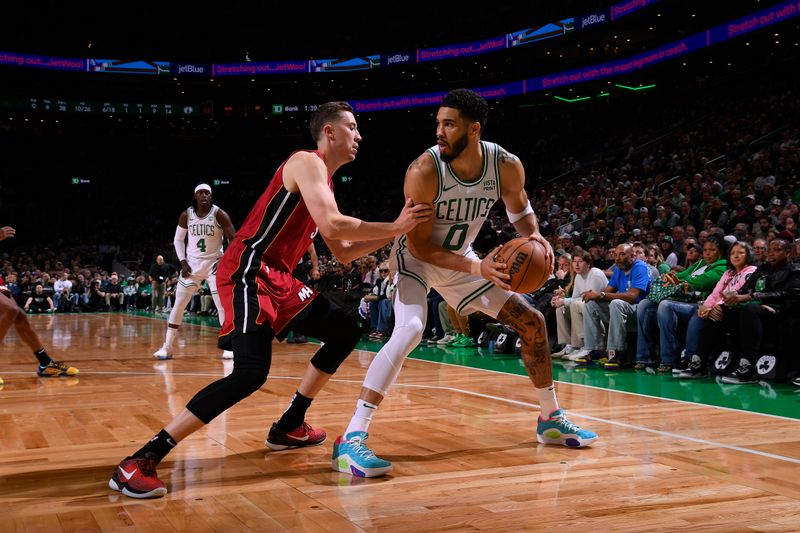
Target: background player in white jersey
[
  {"x": 462, "y": 177},
  {"x": 204, "y": 224}
]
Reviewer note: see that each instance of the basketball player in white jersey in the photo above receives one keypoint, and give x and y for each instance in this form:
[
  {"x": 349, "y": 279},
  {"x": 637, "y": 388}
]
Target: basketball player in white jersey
[
  {"x": 462, "y": 176},
  {"x": 204, "y": 224}
]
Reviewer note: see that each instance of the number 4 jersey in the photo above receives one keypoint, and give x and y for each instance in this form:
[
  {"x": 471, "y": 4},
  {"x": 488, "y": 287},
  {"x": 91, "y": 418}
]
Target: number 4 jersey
[{"x": 205, "y": 237}]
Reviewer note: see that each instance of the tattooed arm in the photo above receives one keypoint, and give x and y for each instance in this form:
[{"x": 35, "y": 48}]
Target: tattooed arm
[
  {"x": 512, "y": 182},
  {"x": 528, "y": 322}
]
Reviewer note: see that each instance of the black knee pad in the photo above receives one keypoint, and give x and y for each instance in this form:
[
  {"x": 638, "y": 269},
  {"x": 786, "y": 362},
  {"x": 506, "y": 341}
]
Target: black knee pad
[
  {"x": 327, "y": 322},
  {"x": 252, "y": 357},
  {"x": 249, "y": 381},
  {"x": 219, "y": 396},
  {"x": 341, "y": 336}
]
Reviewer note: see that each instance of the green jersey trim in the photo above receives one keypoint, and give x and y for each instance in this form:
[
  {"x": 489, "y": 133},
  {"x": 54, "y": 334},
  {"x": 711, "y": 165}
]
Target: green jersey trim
[
  {"x": 483, "y": 174},
  {"x": 439, "y": 178},
  {"x": 401, "y": 264},
  {"x": 497, "y": 171},
  {"x": 473, "y": 295}
]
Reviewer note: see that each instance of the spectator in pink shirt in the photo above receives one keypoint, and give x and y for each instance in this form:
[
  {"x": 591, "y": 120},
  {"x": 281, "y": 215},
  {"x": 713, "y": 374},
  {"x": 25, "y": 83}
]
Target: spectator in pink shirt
[{"x": 740, "y": 266}]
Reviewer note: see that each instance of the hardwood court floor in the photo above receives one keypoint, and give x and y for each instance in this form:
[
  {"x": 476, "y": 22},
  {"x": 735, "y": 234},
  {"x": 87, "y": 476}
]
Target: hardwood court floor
[{"x": 461, "y": 439}]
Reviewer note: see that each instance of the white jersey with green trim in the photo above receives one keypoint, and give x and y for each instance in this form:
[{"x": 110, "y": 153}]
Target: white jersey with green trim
[
  {"x": 205, "y": 236},
  {"x": 460, "y": 207}
]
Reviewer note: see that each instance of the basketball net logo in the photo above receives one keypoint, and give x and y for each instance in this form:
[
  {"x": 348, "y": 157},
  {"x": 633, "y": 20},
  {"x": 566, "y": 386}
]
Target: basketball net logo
[{"x": 304, "y": 294}]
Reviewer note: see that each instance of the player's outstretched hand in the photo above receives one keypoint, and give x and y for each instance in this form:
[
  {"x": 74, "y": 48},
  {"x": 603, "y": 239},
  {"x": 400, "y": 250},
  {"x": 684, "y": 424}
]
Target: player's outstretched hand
[
  {"x": 186, "y": 270},
  {"x": 6, "y": 232},
  {"x": 494, "y": 271},
  {"x": 411, "y": 215}
]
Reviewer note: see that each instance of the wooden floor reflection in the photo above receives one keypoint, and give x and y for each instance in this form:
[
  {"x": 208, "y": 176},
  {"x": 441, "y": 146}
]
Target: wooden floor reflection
[{"x": 462, "y": 443}]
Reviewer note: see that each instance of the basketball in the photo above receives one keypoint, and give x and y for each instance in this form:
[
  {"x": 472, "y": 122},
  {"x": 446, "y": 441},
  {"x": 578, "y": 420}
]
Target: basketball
[{"x": 529, "y": 264}]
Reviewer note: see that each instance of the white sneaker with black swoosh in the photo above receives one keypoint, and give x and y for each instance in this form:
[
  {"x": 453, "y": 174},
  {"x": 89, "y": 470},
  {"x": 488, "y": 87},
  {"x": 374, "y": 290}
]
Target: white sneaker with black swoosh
[{"x": 302, "y": 436}]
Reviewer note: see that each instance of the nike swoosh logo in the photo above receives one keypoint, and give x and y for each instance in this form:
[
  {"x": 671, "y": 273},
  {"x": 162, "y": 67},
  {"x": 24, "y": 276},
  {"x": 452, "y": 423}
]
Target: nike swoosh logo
[
  {"x": 172, "y": 442},
  {"x": 298, "y": 438},
  {"x": 128, "y": 475},
  {"x": 448, "y": 188}
]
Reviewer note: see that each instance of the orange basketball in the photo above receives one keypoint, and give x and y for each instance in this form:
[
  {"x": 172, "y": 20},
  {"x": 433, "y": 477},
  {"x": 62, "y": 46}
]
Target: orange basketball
[{"x": 528, "y": 264}]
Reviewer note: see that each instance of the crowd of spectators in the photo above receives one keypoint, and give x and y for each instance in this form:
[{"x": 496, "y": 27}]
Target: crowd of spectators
[{"x": 718, "y": 174}]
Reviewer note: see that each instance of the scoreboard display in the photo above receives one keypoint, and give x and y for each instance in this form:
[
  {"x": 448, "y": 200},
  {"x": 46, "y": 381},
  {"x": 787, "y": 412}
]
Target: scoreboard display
[{"x": 54, "y": 105}]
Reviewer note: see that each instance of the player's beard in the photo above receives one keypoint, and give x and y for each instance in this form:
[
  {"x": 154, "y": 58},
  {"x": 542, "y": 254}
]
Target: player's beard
[{"x": 455, "y": 148}]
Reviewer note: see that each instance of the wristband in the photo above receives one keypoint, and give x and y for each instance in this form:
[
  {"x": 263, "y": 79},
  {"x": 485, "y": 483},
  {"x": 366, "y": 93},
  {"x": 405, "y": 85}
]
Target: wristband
[
  {"x": 475, "y": 268},
  {"x": 514, "y": 217}
]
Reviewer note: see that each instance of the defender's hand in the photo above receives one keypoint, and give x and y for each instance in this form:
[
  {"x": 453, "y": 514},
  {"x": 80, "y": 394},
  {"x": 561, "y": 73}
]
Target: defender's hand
[{"x": 411, "y": 215}]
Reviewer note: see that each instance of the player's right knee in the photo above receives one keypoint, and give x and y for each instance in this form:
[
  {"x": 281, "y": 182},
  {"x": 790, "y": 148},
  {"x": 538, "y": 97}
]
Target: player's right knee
[
  {"x": 249, "y": 380},
  {"x": 411, "y": 330},
  {"x": 342, "y": 329},
  {"x": 405, "y": 338},
  {"x": 342, "y": 335}
]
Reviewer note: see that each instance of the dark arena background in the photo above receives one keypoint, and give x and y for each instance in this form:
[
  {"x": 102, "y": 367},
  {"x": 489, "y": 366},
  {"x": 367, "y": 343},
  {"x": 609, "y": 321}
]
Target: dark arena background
[{"x": 666, "y": 126}]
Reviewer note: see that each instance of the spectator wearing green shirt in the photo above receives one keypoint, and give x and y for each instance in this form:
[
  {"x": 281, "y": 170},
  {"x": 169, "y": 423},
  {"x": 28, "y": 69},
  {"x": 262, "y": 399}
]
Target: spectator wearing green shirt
[{"x": 670, "y": 315}]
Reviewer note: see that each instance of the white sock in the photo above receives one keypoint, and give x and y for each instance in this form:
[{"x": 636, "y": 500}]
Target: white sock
[
  {"x": 547, "y": 400},
  {"x": 362, "y": 417},
  {"x": 172, "y": 333}
]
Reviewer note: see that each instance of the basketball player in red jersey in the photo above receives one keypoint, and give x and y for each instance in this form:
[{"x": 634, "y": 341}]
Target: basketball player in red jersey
[
  {"x": 12, "y": 315},
  {"x": 263, "y": 301}
]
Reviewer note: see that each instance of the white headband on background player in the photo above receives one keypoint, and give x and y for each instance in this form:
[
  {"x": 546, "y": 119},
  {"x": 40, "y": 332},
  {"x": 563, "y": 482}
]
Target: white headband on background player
[{"x": 203, "y": 187}]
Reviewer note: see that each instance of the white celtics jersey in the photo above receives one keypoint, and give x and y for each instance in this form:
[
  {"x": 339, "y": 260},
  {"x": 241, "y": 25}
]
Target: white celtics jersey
[
  {"x": 205, "y": 236},
  {"x": 460, "y": 208}
]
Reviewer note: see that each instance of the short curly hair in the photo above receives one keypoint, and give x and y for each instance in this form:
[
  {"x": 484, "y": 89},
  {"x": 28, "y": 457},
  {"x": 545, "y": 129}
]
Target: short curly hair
[{"x": 470, "y": 104}]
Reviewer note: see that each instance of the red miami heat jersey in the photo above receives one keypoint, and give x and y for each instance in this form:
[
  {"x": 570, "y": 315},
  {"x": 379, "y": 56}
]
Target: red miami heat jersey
[
  {"x": 279, "y": 228},
  {"x": 254, "y": 277}
]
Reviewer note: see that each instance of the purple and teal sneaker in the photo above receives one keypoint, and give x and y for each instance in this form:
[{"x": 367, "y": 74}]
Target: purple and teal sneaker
[{"x": 558, "y": 430}]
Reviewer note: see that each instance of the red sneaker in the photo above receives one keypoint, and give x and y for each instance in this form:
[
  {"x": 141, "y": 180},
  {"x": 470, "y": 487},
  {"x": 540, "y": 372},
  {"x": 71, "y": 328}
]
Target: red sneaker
[
  {"x": 304, "y": 435},
  {"x": 137, "y": 478}
]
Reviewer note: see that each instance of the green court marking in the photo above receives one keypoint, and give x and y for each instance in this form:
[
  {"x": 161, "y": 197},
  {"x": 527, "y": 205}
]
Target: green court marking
[{"x": 770, "y": 398}]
